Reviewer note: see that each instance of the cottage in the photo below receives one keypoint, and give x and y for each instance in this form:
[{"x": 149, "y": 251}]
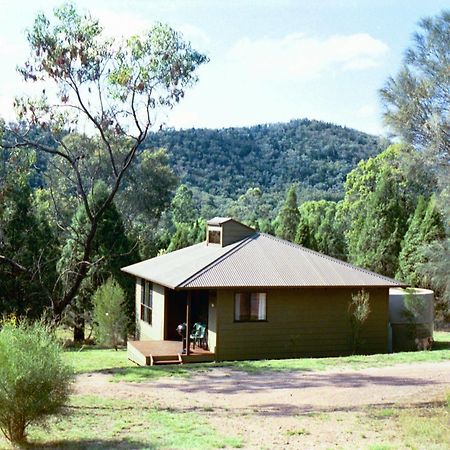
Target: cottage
[{"x": 258, "y": 297}]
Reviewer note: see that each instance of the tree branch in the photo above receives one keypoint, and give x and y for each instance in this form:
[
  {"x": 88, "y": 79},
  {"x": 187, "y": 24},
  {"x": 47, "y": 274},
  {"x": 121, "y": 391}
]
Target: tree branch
[{"x": 14, "y": 264}]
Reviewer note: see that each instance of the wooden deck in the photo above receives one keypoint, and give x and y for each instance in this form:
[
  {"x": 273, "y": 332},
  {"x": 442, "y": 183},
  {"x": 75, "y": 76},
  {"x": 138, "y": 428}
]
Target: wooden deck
[{"x": 149, "y": 353}]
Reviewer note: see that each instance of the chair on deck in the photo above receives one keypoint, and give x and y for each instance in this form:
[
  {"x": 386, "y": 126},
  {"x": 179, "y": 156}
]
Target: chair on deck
[{"x": 198, "y": 335}]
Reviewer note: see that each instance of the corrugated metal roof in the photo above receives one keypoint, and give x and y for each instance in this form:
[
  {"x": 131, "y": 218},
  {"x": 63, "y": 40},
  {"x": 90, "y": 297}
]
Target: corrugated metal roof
[
  {"x": 174, "y": 268},
  {"x": 260, "y": 260},
  {"x": 267, "y": 261}
]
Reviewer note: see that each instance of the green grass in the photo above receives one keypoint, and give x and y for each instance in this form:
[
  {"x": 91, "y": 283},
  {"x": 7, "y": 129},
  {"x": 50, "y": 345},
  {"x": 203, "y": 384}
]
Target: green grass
[
  {"x": 426, "y": 430},
  {"x": 441, "y": 352},
  {"x": 426, "y": 427},
  {"x": 97, "y": 423},
  {"x": 96, "y": 360},
  {"x": 298, "y": 432},
  {"x": 383, "y": 413},
  {"x": 90, "y": 359}
]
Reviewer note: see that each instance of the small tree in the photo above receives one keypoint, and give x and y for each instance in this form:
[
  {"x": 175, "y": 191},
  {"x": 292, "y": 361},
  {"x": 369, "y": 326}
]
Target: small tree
[
  {"x": 34, "y": 381},
  {"x": 358, "y": 310},
  {"x": 288, "y": 217},
  {"x": 110, "y": 318}
]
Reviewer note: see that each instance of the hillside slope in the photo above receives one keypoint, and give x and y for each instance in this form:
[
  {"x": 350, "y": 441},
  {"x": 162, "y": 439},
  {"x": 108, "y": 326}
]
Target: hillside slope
[{"x": 226, "y": 162}]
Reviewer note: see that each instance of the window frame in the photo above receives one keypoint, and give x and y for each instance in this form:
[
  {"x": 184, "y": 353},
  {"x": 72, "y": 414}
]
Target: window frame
[
  {"x": 249, "y": 293},
  {"x": 214, "y": 229},
  {"x": 146, "y": 313}
]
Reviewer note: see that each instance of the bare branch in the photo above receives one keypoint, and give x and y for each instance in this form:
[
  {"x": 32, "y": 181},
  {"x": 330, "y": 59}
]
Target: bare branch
[
  {"x": 12, "y": 263},
  {"x": 96, "y": 124}
]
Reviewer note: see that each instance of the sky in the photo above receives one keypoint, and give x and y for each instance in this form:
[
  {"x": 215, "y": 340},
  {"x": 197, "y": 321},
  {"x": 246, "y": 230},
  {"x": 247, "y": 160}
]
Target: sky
[{"x": 270, "y": 60}]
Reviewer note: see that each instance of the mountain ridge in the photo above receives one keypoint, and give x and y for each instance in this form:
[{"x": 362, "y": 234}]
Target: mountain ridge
[{"x": 228, "y": 161}]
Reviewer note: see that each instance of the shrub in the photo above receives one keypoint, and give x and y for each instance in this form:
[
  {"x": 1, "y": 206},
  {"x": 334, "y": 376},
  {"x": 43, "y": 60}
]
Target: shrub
[
  {"x": 34, "y": 382},
  {"x": 110, "y": 317},
  {"x": 358, "y": 310}
]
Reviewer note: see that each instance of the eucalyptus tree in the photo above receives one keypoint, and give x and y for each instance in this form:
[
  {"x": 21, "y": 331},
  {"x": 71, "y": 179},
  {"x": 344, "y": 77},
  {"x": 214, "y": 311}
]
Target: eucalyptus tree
[{"x": 103, "y": 89}]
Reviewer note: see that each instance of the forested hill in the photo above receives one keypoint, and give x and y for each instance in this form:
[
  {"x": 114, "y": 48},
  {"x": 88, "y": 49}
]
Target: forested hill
[{"x": 226, "y": 162}]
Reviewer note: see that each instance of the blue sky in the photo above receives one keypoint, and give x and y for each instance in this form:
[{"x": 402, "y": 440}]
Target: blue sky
[{"x": 270, "y": 60}]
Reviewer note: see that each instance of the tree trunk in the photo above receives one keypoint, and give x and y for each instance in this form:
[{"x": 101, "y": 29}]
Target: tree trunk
[{"x": 78, "y": 330}]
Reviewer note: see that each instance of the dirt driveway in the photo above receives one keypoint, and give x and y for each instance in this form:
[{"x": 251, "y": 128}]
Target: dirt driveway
[{"x": 285, "y": 409}]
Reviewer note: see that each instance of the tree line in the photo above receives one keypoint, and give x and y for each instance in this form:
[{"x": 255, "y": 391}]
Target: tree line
[{"x": 76, "y": 206}]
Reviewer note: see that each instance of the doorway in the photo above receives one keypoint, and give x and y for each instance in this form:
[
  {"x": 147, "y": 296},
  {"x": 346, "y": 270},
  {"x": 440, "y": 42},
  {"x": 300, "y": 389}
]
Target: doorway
[{"x": 175, "y": 311}]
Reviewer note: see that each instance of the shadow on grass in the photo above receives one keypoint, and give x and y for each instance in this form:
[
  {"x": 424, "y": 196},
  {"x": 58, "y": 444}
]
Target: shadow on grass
[
  {"x": 93, "y": 444},
  {"x": 106, "y": 361},
  {"x": 441, "y": 345},
  {"x": 301, "y": 365},
  {"x": 375, "y": 410},
  {"x": 149, "y": 373}
]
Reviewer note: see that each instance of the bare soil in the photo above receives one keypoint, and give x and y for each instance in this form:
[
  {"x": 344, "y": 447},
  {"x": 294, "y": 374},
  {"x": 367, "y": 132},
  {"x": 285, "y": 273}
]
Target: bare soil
[{"x": 289, "y": 409}]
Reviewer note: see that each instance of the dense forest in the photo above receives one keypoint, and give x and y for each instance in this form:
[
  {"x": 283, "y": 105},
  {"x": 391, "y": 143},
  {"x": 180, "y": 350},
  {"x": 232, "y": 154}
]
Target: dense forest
[
  {"x": 221, "y": 165},
  {"x": 227, "y": 162},
  {"x": 77, "y": 206}
]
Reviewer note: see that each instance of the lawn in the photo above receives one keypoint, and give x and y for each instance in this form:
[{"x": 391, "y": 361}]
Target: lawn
[
  {"x": 425, "y": 427},
  {"x": 97, "y": 423},
  {"x": 123, "y": 422},
  {"x": 95, "y": 360},
  {"x": 91, "y": 359}
]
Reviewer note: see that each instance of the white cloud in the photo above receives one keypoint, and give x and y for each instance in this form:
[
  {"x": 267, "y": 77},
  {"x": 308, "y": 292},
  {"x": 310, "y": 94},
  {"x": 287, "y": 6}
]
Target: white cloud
[
  {"x": 198, "y": 38},
  {"x": 299, "y": 57},
  {"x": 367, "y": 110},
  {"x": 6, "y": 108},
  {"x": 9, "y": 48},
  {"x": 181, "y": 118},
  {"x": 121, "y": 24}
]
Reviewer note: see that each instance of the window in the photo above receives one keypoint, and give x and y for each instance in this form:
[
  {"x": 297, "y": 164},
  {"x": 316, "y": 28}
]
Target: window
[
  {"x": 146, "y": 301},
  {"x": 249, "y": 306},
  {"x": 214, "y": 237}
]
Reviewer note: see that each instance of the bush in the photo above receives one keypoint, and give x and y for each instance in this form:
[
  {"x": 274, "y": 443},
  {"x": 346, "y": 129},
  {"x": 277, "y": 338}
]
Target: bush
[
  {"x": 34, "y": 382},
  {"x": 110, "y": 317},
  {"x": 358, "y": 310}
]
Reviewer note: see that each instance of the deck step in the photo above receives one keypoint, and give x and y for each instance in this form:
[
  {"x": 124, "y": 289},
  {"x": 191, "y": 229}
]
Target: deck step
[
  {"x": 161, "y": 362},
  {"x": 165, "y": 359}
]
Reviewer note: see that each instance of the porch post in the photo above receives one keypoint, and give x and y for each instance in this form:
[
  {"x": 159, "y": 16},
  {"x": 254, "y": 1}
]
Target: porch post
[{"x": 188, "y": 321}]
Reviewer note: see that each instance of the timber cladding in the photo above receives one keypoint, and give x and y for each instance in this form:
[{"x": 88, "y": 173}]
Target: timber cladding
[
  {"x": 234, "y": 232},
  {"x": 302, "y": 322},
  {"x": 155, "y": 330}
]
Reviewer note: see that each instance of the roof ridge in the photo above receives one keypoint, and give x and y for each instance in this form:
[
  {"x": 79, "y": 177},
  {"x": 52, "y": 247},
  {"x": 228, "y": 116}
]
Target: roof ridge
[
  {"x": 331, "y": 258},
  {"x": 220, "y": 258}
]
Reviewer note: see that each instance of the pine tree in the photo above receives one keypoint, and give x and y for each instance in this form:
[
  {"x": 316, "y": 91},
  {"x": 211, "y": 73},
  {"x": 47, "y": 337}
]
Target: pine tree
[
  {"x": 27, "y": 239},
  {"x": 319, "y": 229},
  {"x": 426, "y": 227},
  {"x": 377, "y": 244},
  {"x": 288, "y": 217},
  {"x": 110, "y": 314}
]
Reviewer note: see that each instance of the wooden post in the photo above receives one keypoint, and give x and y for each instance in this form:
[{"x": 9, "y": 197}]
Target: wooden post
[{"x": 188, "y": 322}]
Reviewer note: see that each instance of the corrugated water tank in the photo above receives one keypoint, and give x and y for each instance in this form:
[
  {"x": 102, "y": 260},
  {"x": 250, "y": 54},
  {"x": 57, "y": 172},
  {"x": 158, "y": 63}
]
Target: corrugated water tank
[{"x": 411, "y": 316}]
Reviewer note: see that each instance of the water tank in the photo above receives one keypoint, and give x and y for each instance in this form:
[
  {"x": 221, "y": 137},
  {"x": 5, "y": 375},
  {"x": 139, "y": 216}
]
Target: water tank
[{"x": 411, "y": 315}]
